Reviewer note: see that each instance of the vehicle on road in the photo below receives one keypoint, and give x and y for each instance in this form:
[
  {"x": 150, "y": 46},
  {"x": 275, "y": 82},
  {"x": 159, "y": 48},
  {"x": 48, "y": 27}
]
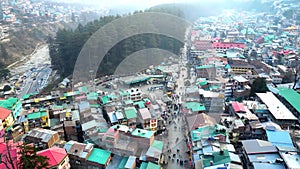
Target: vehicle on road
[{"x": 156, "y": 88}]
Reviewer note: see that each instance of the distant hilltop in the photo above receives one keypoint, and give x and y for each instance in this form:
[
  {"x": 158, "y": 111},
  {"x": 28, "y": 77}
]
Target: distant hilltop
[{"x": 20, "y": 42}]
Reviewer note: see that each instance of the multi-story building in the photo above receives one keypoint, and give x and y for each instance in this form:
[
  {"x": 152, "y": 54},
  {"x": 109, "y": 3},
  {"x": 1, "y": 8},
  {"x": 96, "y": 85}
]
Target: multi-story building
[
  {"x": 135, "y": 94},
  {"x": 6, "y": 120},
  {"x": 131, "y": 116},
  {"x": 144, "y": 118},
  {"x": 237, "y": 86},
  {"x": 78, "y": 153},
  {"x": 206, "y": 71},
  {"x": 13, "y": 104},
  {"x": 223, "y": 46},
  {"x": 57, "y": 158},
  {"x": 37, "y": 119},
  {"x": 42, "y": 138},
  {"x": 279, "y": 113}
]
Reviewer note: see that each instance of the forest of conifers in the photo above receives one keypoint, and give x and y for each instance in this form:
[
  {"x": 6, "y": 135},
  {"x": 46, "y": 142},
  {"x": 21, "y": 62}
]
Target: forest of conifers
[{"x": 65, "y": 48}]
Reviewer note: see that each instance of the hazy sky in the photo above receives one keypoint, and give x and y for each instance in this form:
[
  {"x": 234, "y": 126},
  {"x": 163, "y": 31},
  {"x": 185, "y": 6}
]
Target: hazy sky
[{"x": 140, "y": 3}]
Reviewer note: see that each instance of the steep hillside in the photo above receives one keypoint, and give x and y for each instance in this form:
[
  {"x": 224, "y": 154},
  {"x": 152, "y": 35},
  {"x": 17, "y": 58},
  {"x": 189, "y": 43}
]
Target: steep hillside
[{"x": 22, "y": 42}]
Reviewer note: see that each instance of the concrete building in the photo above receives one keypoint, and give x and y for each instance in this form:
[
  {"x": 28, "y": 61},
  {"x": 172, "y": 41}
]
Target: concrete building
[
  {"x": 78, "y": 153},
  {"x": 278, "y": 111},
  {"x": 206, "y": 71},
  {"x": 42, "y": 138},
  {"x": 57, "y": 158},
  {"x": 261, "y": 154}
]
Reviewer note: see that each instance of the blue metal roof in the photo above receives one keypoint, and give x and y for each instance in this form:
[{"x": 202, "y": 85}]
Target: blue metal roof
[
  {"x": 280, "y": 138},
  {"x": 268, "y": 165}
]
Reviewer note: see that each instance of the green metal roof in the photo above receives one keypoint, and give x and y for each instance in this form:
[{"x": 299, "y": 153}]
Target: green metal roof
[
  {"x": 26, "y": 96},
  {"x": 55, "y": 107},
  {"x": 124, "y": 93},
  {"x": 195, "y": 106},
  {"x": 156, "y": 76},
  {"x": 291, "y": 96},
  {"x": 36, "y": 115},
  {"x": 153, "y": 166},
  {"x": 206, "y": 131},
  {"x": 8, "y": 103},
  {"x": 137, "y": 80},
  {"x": 102, "y": 130},
  {"x": 227, "y": 66},
  {"x": 144, "y": 165},
  {"x": 71, "y": 93},
  {"x": 8, "y": 128},
  {"x": 202, "y": 83},
  {"x": 92, "y": 96},
  {"x": 141, "y": 104},
  {"x": 158, "y": 144},
  {"x": 213, "y": 87},
  {"x": 204, "y": 66},
  {"x": 83, "y": 89},
  {"x": 123, "y": 163},
  {"x": 248, "y": 31},
  {"x": 142, "y": 133},
  {"x": 146, "y": 100},
  {"x": 159, "y": 68},
  {"x": 130, "y": 113},
  {"x": 113, "y": 96},
  {"x": 105, "y": 99},
  {"x": 54, "y": 122},
  {"x": 269, "y": 38},
  {"x": 94, "y": 105},
  {"x": 99, "y": 156},
  {"x": 217, "y": 158}
]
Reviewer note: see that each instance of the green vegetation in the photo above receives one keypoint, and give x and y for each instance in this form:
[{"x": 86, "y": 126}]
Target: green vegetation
[
  {"x": 65, "y": 48},
  {"x": 30, "y": 159},
  {"x": 4, "y": 73},
  {"x": 259, "y": 86}
]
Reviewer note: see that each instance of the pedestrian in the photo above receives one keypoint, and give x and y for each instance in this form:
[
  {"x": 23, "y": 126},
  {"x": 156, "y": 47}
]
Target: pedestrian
[
  {"x": 181, "y": 162},
  {"x": 177, "y": 160}
]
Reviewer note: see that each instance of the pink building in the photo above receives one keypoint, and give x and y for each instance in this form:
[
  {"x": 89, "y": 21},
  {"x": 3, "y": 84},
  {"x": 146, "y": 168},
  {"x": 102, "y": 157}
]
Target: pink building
[{"x": 227, "y": 45}]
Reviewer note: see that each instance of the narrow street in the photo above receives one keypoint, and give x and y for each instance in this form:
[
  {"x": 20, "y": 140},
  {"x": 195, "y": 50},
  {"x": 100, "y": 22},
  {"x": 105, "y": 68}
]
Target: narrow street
[{"x": 175, "y": 149}]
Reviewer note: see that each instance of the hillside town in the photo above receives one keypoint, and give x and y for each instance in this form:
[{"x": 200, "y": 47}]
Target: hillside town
[
  {"x": 17, "y": 15},
  {"x": 230, "y": 101}
]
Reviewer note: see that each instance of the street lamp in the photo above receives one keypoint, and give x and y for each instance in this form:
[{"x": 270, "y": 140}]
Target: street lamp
[{"x": 296, "y": 71}]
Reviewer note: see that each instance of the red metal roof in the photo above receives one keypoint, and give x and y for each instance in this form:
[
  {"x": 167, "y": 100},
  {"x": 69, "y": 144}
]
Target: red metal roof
[
  {"x": 4, "y": 113},
  {"x": 228, "y": 45},
  {"x": 2, "y": 148},
  {"x": 238, "y": 107},
  {"x": 55, "y": 155}
]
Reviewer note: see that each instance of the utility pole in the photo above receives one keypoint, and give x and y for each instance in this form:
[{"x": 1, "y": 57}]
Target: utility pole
[{"x": 297, "y": 60}]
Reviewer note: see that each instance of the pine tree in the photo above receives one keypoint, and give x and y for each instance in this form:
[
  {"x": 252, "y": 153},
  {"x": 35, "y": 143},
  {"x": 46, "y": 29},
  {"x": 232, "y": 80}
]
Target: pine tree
[{"x": 30, "y": 159}]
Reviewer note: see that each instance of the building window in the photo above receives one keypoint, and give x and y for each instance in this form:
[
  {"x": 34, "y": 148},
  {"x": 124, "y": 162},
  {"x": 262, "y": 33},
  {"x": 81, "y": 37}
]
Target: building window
[{"x": 62, "y": 163}]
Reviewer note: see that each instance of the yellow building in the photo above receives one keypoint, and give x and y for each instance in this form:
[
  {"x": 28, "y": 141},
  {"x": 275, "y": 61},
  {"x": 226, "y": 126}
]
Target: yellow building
[
  {"x": 6, "y": 119},
  {"x": 37, "y": 119}
]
